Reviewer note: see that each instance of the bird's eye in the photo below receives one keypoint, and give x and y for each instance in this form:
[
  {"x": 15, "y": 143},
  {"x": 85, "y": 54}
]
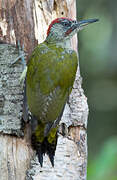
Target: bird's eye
[{"x": 65, "y": 24}]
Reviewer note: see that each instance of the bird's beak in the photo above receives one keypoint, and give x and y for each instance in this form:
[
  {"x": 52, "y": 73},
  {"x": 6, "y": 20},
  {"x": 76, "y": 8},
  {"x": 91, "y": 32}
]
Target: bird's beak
[
  {"x": 78, "y": 25},
  {"x": 81, "y": 24}
]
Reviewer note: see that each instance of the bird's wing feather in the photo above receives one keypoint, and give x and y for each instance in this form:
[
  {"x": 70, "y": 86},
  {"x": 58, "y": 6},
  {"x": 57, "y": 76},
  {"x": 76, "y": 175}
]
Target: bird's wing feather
[{"x": 50, "y": 76}]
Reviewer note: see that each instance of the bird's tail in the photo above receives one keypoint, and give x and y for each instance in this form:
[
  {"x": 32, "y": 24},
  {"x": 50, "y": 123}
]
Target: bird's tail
[{"x": 45, "y": 144}]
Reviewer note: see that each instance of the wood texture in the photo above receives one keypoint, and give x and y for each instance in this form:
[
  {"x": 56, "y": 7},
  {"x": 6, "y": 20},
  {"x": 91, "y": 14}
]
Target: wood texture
[
  {"x": 10, "y": 91},
  {"x": 27, "y": 21},
  {"x": 14, "y": 158}
]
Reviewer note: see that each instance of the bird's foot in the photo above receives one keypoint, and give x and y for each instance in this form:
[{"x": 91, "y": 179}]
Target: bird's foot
[
  {"x": 22, "y": 57},
  {"x": 23, "y": 76}
]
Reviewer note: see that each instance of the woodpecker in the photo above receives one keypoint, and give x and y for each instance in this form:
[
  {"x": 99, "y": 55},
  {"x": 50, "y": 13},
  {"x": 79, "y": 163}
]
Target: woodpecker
[{"x": 51, "y": 71}]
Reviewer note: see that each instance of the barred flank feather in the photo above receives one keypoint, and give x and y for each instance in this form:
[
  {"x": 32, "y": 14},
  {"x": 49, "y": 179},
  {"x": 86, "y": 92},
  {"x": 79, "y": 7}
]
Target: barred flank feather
[{"x": 49, "y": 81}]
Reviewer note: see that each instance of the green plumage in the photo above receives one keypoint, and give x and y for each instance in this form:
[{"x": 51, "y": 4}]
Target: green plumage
[{"x": 50, "y": 76}]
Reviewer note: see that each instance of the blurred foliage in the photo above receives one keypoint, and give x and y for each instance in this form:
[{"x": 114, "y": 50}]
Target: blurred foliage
[
  {"x": 98, "y": 64},
  {"x": 104, "y": 166}
]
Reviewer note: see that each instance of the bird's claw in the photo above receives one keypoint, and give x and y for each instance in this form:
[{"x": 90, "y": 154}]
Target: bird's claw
[
  {"x": 23, "y": 76},
  {"x": 22, "y": 56}
]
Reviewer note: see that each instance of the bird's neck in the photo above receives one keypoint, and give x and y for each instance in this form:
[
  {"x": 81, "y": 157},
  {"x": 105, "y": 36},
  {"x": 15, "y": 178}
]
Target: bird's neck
[{"x": 66, "y": 43}]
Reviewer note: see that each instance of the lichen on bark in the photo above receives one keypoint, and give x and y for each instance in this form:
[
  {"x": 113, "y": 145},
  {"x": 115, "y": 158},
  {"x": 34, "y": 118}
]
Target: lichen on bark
[{"x": 11, "y": 92}]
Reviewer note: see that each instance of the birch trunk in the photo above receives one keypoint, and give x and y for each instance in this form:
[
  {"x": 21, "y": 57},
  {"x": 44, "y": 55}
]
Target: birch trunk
[{"x": 27, "y": 21}]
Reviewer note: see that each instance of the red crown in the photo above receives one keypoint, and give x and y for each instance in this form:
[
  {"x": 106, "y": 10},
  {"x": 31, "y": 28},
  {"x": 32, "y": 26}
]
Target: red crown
[{"x": 58, "y": 20}]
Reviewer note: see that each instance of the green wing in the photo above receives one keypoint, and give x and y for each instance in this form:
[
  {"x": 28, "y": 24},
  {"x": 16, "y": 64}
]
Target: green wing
[{"x": 50, "y": 76}]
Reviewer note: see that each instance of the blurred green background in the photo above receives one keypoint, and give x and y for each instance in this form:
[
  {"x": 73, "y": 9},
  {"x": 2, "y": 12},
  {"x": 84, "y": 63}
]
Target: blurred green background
[{"x": 98, "y": 64}]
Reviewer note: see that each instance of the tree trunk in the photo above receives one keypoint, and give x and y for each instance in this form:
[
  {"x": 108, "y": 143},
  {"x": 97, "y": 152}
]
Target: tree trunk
[{"x": 26, "y": 21}]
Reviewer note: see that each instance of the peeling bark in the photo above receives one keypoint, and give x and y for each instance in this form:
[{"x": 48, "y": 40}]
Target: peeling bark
[
  {"x": 27, "y": 21},
  {"x": 16, "y": 23}
]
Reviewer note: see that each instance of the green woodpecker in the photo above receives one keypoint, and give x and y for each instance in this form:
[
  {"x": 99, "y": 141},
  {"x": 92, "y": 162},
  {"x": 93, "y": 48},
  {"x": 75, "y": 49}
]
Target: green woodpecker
[{"x": 50, "y": 76}]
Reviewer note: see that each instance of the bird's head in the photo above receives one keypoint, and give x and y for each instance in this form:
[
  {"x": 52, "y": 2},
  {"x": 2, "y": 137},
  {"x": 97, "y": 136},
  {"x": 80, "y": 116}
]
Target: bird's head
[{"x": 61, "y": 29}]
